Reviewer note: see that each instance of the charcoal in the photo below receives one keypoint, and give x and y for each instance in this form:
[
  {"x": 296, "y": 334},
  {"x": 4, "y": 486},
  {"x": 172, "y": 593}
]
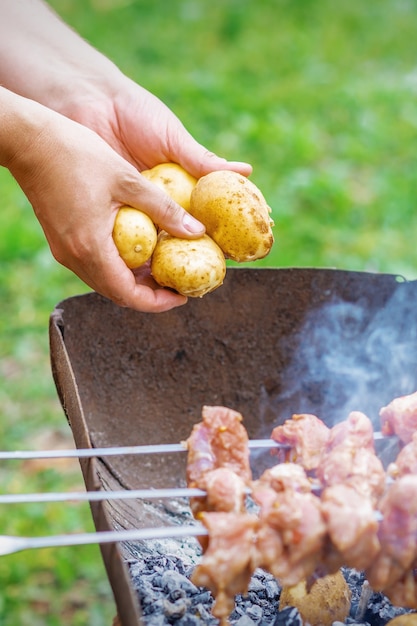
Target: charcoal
[
  {"x": 176, "y": 594},
  {"x": 189, "y": 620},
  {"x": 288, "y": 617},
  {"x": 238, "y": 611},
  {"x": 175, "y": 610},
  {"x": 380, "y": 610},
  {"x": 245, "y": 620},
  {"x": 254, "y": 612},
  {"x": 169, "y": 598},
  {"x": 171, "y": 581},
  {"x": 257, "y": 585},
  {"x": 158, "y": 619},
  {"x": 272, "y": 589},
  {"x": 202, "y": 596},
  {"x": 204, "y": 612}
]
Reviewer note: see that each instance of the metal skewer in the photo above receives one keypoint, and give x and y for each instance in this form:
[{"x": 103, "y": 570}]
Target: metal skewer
[
  {"x": 79, "y": 453},
  {"x": 96, "y": 496},
  {"x": 164, "y": 448},
  {"x": 10, "y": 543}
]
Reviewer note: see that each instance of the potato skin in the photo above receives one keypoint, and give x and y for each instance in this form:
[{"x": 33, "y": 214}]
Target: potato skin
[
  {"x": 328, "y": 600},
  {"x": 235, "y": 214},
  {"x": 193, "y": 267},
  {"x": 135, "y": 236},
  {"x": 174, "y": 180},
  {"x": 406, "y": 619}
]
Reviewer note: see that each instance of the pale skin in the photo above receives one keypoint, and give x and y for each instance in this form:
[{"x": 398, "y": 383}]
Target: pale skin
[{"x": 75, "y": 132}]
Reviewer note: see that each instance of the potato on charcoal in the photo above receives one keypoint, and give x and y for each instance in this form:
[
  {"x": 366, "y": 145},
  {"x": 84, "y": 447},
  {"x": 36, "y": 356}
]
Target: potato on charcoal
[
  {"x": 235, "y": 215},
  {"x": 174, "y": 180},
  {"x": 193, "y": 267},
  {"x": 135, "y": 236},
  {"x": 406, "y": 619},
  {"x": 328, "y": 600}
]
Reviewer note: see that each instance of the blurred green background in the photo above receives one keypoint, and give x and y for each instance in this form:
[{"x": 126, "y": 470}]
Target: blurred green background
[{"x": 321, "y": 98}]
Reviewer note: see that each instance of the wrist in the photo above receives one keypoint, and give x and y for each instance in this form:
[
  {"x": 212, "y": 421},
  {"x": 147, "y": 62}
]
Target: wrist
[
  {"x": 46, "y": 61},
  {"x": 85, "y": 97},
  {"x": 21, "y": 121}
]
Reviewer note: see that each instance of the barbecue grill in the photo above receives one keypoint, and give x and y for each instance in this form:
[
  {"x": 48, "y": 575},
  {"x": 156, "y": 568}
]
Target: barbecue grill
[{"x": 268, "y": 343}]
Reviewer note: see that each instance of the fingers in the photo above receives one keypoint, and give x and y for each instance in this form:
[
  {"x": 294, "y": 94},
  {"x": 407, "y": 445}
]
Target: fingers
[
  {"x": 163, "y": 211},
  {"x": 197, "y": 160},
  {"x": 109, "y": 276},
  {"x": 210, "y": 162}
]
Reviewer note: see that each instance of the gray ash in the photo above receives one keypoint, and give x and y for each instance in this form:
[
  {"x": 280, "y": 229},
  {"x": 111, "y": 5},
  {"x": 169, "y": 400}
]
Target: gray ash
[
  {"x": 378, "y": 610},
  {"x": 160, "y": 572},
  {"x": 168, "y": 597}
]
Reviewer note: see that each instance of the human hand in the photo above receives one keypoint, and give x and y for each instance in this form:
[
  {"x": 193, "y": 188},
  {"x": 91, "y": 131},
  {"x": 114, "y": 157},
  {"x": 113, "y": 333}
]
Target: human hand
[
  {"x": 144, "y": 130},
  {"x": 76, "y": 183}
]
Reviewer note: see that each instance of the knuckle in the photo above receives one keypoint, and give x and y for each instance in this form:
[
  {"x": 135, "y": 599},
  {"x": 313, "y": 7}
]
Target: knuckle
[
  {"x": 209, "y": 161},
  {"x": 169, "y": 212}
]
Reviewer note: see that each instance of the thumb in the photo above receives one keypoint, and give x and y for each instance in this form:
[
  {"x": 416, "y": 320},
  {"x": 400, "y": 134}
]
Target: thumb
[{"x": 163, "y": 210}]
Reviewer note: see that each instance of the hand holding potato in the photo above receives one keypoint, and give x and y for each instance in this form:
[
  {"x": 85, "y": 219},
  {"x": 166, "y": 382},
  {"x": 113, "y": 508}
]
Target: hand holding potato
[
  {"x": 235, "y": 215},
  {"x": 174, "y": 180},
  {"x": 237, "y": 221},
  {"x": 135, "y": 236},
  {"x": 193, "y": 267}
]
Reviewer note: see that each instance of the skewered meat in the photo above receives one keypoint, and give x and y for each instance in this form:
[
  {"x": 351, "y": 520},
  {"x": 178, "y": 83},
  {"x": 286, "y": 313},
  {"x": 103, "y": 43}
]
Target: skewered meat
[
  {"x": 226, "y": 492},
  {"x": 299, "y": 535},
  {"x": 357, "y": 467},
  {"x": 406, "y": 461},
  {"x": 220, "y": 440},
  {"x": 404, "y": 591},
  {"x": 291, "y": 530},
  {"x": 399, "y": 417},
  {"x": 353, "y": 544},
  {"x": 397, "y": 534},
  {"x": 305, "y": 435},
  {"x": 350, "y": 459},
  {"x": 218, "y": 462},
  {"x": 356, "y": 432},
  {"x": 285, "y": 476},
  {"x": 228, "y": 563}
]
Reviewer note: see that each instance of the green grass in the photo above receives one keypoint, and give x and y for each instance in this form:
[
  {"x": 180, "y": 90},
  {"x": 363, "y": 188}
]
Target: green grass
[{"x": 321, "y": 98}]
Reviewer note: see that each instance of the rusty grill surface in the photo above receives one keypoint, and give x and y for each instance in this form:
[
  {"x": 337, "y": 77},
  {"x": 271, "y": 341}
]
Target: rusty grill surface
[{"x": 268, "y": 343}]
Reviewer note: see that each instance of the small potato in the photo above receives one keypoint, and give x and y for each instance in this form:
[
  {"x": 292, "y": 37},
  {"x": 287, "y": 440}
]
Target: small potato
[
  {"x": 235, "y": 215},
  {"x": 328, "y": 600},
  {"x": 174, "y": 180},
  {"x": 406, "y": 619},
  {"x": 135, "y": 236},
  {"x": 193, "y": 267}
]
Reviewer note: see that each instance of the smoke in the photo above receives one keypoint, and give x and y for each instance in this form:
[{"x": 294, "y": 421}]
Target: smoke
[{"x": 345, "y": 359}]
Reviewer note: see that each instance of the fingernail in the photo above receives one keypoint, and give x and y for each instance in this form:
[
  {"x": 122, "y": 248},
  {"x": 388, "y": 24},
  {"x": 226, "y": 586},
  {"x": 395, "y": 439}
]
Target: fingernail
[{"x": 192, "y": 225}]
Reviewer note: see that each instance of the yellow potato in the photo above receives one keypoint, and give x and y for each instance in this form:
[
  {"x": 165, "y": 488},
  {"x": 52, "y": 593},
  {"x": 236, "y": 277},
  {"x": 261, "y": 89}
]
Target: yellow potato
[
  {"x": 174, "y": 180},
  {"x": 193, "y": 267},
  {"x": 406, "y": 619},
  {"x": 327, "y": 602},
  {"x": 135, "y": 236},
  {"x": 235, "y": 215}
]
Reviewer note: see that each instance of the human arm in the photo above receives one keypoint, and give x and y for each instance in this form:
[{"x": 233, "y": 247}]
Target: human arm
[
  {"x": 49, "y": 156},
  {"x": 45, "y": 61}
]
